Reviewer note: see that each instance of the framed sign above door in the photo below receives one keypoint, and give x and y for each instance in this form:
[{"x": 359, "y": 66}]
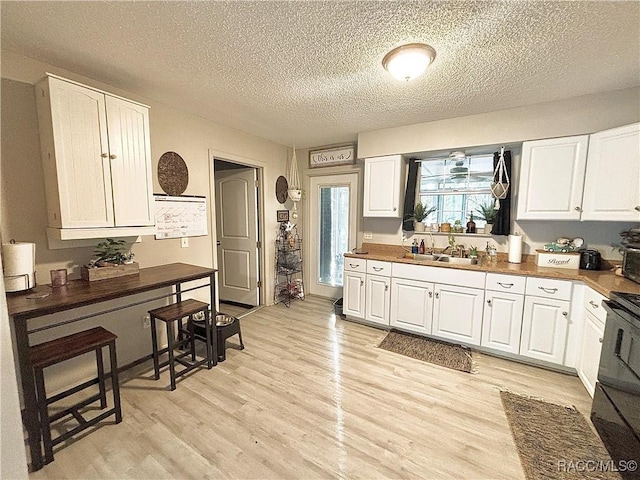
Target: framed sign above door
[{"x": 328, "y": 157}]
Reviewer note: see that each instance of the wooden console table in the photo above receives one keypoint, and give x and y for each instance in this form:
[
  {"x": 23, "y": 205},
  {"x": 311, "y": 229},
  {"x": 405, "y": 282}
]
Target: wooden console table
[{"x": 78, "y": 293}]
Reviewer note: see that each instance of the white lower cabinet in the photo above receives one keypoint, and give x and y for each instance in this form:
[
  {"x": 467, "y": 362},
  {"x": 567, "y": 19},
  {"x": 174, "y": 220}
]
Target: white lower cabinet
[
  {"x": 377, "y": 295},
  {"x": 353, "y": 302},
  {"x": 544, "y": 329},
  {"x": 411, "y": 305},
  {"x": 589, "y": 358},
  {"x": 502, "y": 321},
  {"x": 457, "y": 313}
]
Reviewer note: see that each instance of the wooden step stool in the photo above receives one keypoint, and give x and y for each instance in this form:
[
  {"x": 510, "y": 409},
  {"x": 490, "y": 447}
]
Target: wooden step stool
[
  {"x": 65, "y": 348},
  {"x": 170, "y": 315}
]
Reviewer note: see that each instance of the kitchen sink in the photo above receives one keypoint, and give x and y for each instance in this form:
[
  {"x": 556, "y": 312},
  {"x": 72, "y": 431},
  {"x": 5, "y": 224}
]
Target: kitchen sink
[
  {"x": 458, "y": 260},
  {"x": 424, "y": 256}
]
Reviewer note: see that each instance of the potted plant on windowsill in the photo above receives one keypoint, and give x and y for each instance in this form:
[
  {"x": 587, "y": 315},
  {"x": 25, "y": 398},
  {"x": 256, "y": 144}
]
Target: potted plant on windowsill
[
  {"x": 488, "y": 213},
  {"x": 112, "y": 260},
  {"x": 420, "y": 212}
]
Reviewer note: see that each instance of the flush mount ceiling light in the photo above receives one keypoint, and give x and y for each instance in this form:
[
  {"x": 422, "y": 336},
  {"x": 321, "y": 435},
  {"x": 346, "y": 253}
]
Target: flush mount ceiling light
[{"x": 407, "y": 62}]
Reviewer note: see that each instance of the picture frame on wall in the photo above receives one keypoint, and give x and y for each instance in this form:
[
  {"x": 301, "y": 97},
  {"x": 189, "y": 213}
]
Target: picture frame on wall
[
  {"x": 283, "y": 215},
  {"x": 332, "y": 156}
]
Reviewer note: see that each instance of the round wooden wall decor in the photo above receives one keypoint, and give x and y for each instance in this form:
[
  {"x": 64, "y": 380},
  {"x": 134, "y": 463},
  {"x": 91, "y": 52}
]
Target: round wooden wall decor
[
  {"x": 282, "y": 189},
  {"x": 173, "y": 174}
]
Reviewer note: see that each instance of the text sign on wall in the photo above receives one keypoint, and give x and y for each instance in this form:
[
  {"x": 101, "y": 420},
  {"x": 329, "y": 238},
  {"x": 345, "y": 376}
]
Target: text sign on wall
[
  {"x": 180, "y": 216},
  {"x": 326, "y": 157}
]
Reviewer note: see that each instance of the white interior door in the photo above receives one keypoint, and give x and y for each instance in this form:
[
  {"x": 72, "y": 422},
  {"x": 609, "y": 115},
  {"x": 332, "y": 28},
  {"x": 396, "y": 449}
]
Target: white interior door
[
  {"x": 237, "y": 231},
  {"x": 333, "y": 207}
]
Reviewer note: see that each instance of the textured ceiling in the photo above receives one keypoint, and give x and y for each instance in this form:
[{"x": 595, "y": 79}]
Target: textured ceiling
[{"x": 310, "y": 73}]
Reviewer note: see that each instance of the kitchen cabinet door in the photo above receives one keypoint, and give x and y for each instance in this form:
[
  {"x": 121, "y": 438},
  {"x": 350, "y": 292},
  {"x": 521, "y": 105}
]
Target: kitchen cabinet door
[
  {"x": 382, "y": 180},
  {"x": 502, "y": 321},
  {"x": 130, "y": 156},
  {"x": 97, "y": 161},
  {"x": 551, "y": 178},
  {"x": 377, "y": 296},
  {"x": 457, "y": 313},
  {"x": 544, "y": 329},
  {"x": 411, "y": 305},
  {"x": 612, "y": 181},
  {"x": 353, "y": 294},
  {"x": 75, "y": 155},
  {"x": 589, "y": 359}
]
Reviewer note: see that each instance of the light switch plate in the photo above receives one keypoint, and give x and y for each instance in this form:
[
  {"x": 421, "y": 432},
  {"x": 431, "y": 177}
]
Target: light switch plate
[
  {"x": 184, "y": 242},
  {"x": 368, "y": 235}
]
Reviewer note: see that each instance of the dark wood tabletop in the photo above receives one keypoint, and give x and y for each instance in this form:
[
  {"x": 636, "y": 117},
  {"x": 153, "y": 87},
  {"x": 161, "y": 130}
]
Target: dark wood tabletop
[{"x": 78, "y": 293}]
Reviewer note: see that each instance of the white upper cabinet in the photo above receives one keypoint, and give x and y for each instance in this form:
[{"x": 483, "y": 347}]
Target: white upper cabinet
[
  {"x": 586, "y": 177},
  {"x": 551, "y": 178},
  {"x": 97, "y": 160},
  {"x": 612, "y": 181},
  {"x": 382, "y": 181}
]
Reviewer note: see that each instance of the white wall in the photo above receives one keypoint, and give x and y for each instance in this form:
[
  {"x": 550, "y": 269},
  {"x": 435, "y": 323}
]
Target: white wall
[
  {"x": 485, "y": 133},
  {"x": 13, "y": 458}
]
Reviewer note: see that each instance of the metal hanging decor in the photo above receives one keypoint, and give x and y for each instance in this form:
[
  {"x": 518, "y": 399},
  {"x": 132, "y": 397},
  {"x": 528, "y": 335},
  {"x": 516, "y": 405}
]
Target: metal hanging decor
[
  {"x": 500, "y": 184},
  {"x": 295, "y": 193}
]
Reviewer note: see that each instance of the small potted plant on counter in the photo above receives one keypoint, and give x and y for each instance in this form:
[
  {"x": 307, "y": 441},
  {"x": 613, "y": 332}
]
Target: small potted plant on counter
[
  {"x": 112, "y": 260},
  {"x": 420, "y": 212},
  {"x": 488, "y": 213}
]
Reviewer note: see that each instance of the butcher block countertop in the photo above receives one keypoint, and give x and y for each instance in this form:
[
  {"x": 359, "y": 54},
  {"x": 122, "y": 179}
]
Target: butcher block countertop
[{"x": 603, "y": 281}]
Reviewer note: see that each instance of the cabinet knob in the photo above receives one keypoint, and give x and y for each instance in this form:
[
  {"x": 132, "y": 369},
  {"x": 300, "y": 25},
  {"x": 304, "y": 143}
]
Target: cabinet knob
[
  {"x": 394, "y": 209},
  {"x": 104, "y": 155},
  {"x": 430, "y": 294},
  {"x": 437, "y": 295},
  {"x": 112, "y": 157},
  {"x": 565, "y": 313},
  {"x": 600, "y": 339},
  {"x": 577, "y": 209},
  {"x": 386, "y": 287},
  {"x": 489, "y": 302},
  {"x": 638, "y": 208},
  {"x": 593, "y": 304},
  {"x": 361, "y": 282}
]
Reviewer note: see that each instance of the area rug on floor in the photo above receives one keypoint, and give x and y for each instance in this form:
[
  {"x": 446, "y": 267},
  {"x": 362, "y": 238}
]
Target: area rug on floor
[
  {"x": 555, "y": 441},
  {"x": 440, "y": 353}
]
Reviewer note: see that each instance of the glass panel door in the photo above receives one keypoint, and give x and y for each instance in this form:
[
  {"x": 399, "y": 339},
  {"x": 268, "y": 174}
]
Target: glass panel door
[
  {"x": 334, "y": 234},
  {"x": 332, "y": 230}
]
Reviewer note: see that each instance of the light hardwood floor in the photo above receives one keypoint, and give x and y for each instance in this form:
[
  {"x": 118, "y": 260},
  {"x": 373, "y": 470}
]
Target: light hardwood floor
[{"x": 312, "y": 397}]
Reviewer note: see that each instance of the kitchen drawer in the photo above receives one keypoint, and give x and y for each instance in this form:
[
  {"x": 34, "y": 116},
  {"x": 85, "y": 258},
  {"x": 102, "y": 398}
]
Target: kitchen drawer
[
  {"x": 547, "y": 288},
  {"x": 593, "y": 304},
  {"x": 355, "y": 264},
  {"x": 443, "y": 275},
  {"x": 506, "y": 283},
  {"x": 376, "y": 267}
]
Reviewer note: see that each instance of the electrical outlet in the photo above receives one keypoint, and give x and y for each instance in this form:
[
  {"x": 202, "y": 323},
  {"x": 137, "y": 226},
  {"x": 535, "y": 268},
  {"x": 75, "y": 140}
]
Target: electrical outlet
[
  {"x": 146, "y": 321},
  {"x": 368, "y": 235},
  {"x": 184, "y": 242}
]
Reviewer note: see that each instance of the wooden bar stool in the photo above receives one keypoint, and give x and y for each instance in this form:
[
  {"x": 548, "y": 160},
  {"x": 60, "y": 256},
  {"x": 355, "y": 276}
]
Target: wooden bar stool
[
  {"x": 170, "y": 315},
  {"x": 65, "y": 348}
]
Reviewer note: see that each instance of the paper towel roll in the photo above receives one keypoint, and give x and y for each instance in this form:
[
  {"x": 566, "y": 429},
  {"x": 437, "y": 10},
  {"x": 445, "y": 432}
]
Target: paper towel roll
[
  {"x": 515, "y": 248},
  {"x": 18, "y": 264}
]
